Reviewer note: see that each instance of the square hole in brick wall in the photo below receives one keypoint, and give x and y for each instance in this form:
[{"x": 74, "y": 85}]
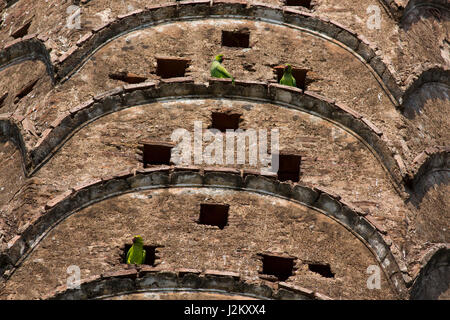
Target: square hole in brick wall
[
  {"x": 278, "y": 266},
  {"x": 323, "y": 269},
  {"x": 289, "y": 167},
  {"x": 298, "y": 3},
  {"x": 240, "y": 38},
  {"x": 150, "y": 254},
  {"x": 3, "y": 98},
  {"x": 156, "y": 153},
  {"x": 214, "y": 214},
  {"x": 298, "y": 73},
  {"x": 171, "y": 67},
  {"x": 21, "y": 31},
  {"x": 25, "y": 91},
  {"x": 223, "y": 121}
]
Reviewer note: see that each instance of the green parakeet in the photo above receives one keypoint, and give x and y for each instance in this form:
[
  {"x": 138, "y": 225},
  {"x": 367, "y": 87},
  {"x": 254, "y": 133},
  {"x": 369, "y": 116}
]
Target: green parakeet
[
  {"x": 218, "y": 71},
  {"x": 288, "y": 79},
  {"x": 136, "y": 254}
]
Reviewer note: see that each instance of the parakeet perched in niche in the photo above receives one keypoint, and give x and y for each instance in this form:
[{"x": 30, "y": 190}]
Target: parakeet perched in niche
[
  {"x": 288, "y": 79},
  {"x": 217, "y": 70},
  {"x": 136, "y": 254}
]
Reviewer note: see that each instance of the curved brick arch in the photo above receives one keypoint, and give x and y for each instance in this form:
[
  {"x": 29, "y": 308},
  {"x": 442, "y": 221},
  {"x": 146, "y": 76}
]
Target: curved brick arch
[
  {"x": 392, "y": 8},
  {"x": 154, "y": 280},
  {"x": 29, "y": 47},
  {"x": 399, "y": 12},
  {"x": 132, "y": 95},
  {"x": 431, "y": 167},
  {"x": 419, "y": 4},
  {"x": 91, "y": 192},
  {"x": 433, "y": 278},
  {"x": 10, "y": 130},
  {"x": 435, "y": 76},
  {"x": 77, "y": 55}
]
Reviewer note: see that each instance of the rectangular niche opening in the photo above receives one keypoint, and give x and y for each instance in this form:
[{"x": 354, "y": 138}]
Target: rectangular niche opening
[
  {"x": 156, "y": 153},
  {"x": 25, "y": 91},
  {"x": 239, "y": 39},
  {"x": 289, "y": 167},
  {"x": 298, "y": 73},
  {"x": 280, "y": 267},
  {"x": 150, "y": 254},
  {"x": 223, "y": 121},
  {"x": 21, "y": 31},
  {"x": 3, "y": 98},
  {"x": 171, "y": 67},
  {"x": 298, "y": 3},
  {"x": 214, "y": 214},
  {"x": 323, "y": 269}
]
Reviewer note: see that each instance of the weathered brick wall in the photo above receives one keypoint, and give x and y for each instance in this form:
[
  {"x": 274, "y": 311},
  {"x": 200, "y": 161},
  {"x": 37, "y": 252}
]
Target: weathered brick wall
[
  {"x": 320, "y": 81},
  {"x": 56, "y": 96},
  {"x": 434, "y": 278},
  {"x": 167, "y": 218}
]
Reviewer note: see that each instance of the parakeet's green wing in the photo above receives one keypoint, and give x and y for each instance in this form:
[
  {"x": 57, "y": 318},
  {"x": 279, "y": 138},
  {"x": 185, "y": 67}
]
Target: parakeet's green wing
[
  {"x": 288, "y": 80},
  {"x": 129, "y": 254},
  {"x": 218, "y": 71},
  {"x": 223, "y": 71}
]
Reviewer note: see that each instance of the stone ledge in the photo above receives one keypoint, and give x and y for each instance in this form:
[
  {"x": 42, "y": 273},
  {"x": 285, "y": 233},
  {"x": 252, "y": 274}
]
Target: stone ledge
[
  {"x": 219, "y": 273},
  {"x": 301, "y": 290},
  {"x": 130, "y": 273},
  {"x": 84, "y": 39},
  {"x": 52, "y": 203}
]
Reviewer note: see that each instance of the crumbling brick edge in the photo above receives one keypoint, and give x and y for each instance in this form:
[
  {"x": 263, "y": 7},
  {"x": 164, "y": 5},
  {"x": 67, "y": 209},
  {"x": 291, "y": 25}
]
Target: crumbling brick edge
[
  {"x": 138, "y": 279},
  {"x": 66, "y": 204},
  {"x": 64, "y": 66}
]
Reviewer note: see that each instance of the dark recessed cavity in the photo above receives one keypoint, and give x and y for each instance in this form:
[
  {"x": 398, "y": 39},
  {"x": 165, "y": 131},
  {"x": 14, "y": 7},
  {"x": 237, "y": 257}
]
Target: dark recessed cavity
[
  {"x": 298, "y": 73},
  {"x": 224, "y": 121},
  {"x": 240, "y": 39},
  {"x": 171, "y": 67},
  {"x": 25, "y": 91},
  {"x": 214, "y": 214},
  {"x": 3, "y": 98},
  {"x": 150, "y": 254},
  {"x": 22, "y": 31},
  {"x": 323, "y": 269},
  {"x": 280, "y": 267},
  {"x": 298, "y": 3},
  {"x": 289, "y": 167},
  {"x": 156, "y": 153}
]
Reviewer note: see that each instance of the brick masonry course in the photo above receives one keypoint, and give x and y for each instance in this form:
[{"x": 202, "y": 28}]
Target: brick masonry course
[{"x": 64, "y": 205}]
